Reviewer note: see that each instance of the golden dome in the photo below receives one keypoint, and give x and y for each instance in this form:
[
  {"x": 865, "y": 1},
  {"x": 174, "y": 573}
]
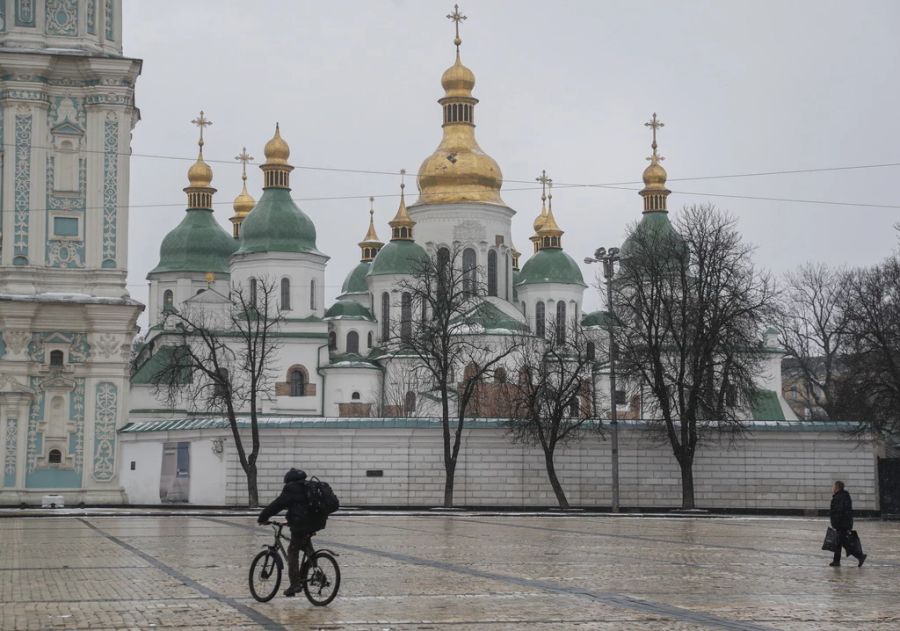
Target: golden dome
[
  {"x": 243, "y": 203},
  {"x": 458, "y": 80},
  {"x": 200, "y": 174},
  {"x": 402, "y": 224},
  {"x": 540, "y": 219},
  {"x": 655, "y": 175},
  {"x": 277, "y": 150}
]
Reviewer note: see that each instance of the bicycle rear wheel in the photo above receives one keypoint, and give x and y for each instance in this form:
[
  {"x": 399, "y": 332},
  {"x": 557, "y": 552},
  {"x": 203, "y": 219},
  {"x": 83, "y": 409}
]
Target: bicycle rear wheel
[
  {"x": 265, "y": 576},
  {"x": 322, "y": 579}
]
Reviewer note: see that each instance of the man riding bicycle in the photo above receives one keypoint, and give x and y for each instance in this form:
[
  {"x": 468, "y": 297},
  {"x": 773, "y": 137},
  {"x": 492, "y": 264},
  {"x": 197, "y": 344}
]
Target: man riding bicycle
[{"x": 295, "y": 499}]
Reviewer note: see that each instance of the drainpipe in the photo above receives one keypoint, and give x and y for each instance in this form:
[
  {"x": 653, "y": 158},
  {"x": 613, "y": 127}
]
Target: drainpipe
[{"x": 322, "y": 375}]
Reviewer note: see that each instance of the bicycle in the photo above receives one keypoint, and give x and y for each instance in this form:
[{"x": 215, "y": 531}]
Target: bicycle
[{"x": 320, "y": 574}]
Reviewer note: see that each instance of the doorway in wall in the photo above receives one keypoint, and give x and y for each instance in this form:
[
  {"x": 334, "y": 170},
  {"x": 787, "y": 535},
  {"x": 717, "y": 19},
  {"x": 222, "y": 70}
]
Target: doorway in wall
[{"x": 175, "y": 477}]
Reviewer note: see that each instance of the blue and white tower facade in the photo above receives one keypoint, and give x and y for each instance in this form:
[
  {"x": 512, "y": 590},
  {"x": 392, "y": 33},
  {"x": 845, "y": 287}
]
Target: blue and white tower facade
[{"x": 66, "y": 319}]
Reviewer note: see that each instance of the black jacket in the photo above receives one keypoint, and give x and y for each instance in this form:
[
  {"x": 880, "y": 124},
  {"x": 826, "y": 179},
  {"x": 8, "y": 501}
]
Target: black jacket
[
  {"x": 841, "y": 512},
  {"x": 293, "y": 499}
]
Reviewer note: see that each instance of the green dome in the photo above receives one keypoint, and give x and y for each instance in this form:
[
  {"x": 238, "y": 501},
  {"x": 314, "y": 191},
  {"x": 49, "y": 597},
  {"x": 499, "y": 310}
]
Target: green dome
[
  {"x": 276, "y": 224},
  {"x": 550, "y": 265},
  {"x": 197, "y": 244},
  {"x": 657, "y": 229},
  {"x": 398, "y": 257},
  {"x": 355, "y": 283},
  {"x": 348, "y": 310}
]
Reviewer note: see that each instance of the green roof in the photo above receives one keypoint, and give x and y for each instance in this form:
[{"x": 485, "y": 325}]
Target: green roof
[
  {"x": 348, "y": 310},
  {"x": 150, "y": 371},
  {"x": 765, "y": 406},
  {"x": 596, "y": 318},
  {"x": 550, "y": 265},
  {"x": 398, "y": 257},
  {"x": 490, "y": 319},
  {"x": 276, "y": 224},
  {"x": 355, "y": 283},
  {"x": 655, "y": 226},
  {"x": 197, "y": 244}
]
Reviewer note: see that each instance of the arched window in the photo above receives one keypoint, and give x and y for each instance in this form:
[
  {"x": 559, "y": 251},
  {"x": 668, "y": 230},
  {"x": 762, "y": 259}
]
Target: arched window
[
  {"x": 312, "y": 294},
  {"x": 369, "y": 340},
  {"x": 385, "y": 317},
  {"x": 573, "y": 312},
  {"x": 168, "y": 298},
  {"x": 286, "y": 294},
  {"x": 253, "y": 291},
  {"x": 500, "y": 375},
  {"x": 443, "y": 265},
  {"x": 332, "y": 341},
  {"x": 469, "y": 271},
  {"x": 353, "y": 342},
  {"x": 222, "y": 386},
  {"x": 66, "y": 167},
  {"x": 405, "y": 317},
  {"x": 492, "y": 273},
  {"x": 560, "y": 322},
  {"x": 409, "y": 403},
  {"x": 470, "y": 372},
  {"x": 54, "y": 457},
  {"x": 56, "y": 359},
  {"x": 354, "y": 396},
  {"x": 574, "y": 407},
  {"x": 539, "y": 319},
  {"x": 297, "y": 382},
  {"x": 591, "y": 351},
  {"x": 506, "y": 275}
]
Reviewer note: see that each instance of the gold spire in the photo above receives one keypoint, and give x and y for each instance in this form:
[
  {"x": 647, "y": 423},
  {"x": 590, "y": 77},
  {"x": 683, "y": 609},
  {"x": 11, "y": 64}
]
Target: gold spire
[
  {"x": 402, "y": 224},
  {"x": 550, "y": 234},
  {"x": 655, "y": 191},
  {"x": 543, "y": 216},
  {"x": 370, "y": 245},
  {"x": 243, "y": 203},
  {"x": 200, "y": 174},
  {"x": 276, "y": 169},
  {"x": 459, "y": 171},
  {"x": 515, "y": 257}
]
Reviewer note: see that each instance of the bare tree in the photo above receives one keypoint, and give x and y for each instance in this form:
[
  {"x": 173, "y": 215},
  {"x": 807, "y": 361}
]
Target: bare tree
[
  {"x": 811, "y": 325},
  {"x": 551, "y": 401},
  {"x": 223, "y": 360},
  {"x": 439, "y": 333},
  {"x": 873, "y": 339},
  {"x": 692, "y": 308}
]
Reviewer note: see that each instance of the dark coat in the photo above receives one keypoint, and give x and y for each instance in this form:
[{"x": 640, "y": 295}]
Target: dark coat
[
  {"x": 293, "y": 499},
  {"x": 841, "y": 512}
]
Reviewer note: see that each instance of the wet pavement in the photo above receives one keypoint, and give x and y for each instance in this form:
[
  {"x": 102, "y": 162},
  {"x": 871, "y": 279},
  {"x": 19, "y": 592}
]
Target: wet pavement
[{"x": 442, "y": 571}]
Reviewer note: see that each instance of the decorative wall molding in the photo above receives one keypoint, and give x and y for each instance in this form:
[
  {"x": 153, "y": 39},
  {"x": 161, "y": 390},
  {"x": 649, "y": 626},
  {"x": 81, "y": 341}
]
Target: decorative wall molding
[
  {"x": 62, "y": 17},
  {"x": 22, "y": 189},
  {"x": 25, "y": 13},
  {"x": 9, "y": 462},
  {"x": 107, "y": 403},
  {"x": 110, "y": 189}
]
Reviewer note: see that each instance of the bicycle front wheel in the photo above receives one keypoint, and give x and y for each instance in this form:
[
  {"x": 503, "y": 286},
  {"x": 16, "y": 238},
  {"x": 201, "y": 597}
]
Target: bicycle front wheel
[
  {"x": 322, "y": 579},
  {"x": 265, "y": 576}
]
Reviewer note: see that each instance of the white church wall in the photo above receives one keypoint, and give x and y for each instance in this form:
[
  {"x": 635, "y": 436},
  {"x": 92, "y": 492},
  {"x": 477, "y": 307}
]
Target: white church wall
[
  {"x": 207, "y": 471},
  {"x": 302, "y": 269},
  {"x": 141, "y": 484}
]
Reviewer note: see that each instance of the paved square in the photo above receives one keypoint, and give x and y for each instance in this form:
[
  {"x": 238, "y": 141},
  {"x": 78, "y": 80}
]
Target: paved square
[{"x": 461, "y": 571}]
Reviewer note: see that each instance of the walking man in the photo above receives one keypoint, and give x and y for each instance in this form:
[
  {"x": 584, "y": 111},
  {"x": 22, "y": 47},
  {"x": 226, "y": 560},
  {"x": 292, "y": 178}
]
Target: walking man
[{"x": 841, "y": 514}]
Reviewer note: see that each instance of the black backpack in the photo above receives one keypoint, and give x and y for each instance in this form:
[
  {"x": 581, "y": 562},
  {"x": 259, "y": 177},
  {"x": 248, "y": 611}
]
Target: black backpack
[{"x": 322, "y": 500}]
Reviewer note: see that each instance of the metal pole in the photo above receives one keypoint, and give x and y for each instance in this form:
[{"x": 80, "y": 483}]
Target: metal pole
[{"x": 614, "y": 421}]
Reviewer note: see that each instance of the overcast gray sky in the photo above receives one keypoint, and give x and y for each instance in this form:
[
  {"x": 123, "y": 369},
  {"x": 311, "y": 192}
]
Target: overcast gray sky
[{"x": 742, "y": 87}]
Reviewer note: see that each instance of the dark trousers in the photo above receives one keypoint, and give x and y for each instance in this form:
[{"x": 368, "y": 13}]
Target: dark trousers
[
  {"x": 300, "y": 542},
  {"x": 843, "y": 545}
]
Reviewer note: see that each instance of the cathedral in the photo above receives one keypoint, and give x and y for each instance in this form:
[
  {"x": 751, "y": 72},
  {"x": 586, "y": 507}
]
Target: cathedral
[{"x": 76, "y": 381}]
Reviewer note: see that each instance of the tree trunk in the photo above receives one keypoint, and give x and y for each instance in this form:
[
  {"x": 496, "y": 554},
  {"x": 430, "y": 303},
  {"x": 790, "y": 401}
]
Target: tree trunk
[
  {"x": 252, "y": 492},
  {"x": 554, "y": 481},
  {"x": 687, "y": 482},
  {"x": 450, "y": 470}
]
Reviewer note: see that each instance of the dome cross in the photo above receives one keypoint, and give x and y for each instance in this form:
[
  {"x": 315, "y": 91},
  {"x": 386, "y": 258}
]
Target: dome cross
[
  {"x": 654, "y": 124},
  {"x": 545, "y": 182},
  {"x": 201, "y": 122},
  {"x": 456, "y": 17},
  {"x": 243, "y": 157}
]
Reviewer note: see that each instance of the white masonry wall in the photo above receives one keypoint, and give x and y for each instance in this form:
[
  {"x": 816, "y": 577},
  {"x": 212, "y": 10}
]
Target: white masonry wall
[{"x": 765, "y": 470}]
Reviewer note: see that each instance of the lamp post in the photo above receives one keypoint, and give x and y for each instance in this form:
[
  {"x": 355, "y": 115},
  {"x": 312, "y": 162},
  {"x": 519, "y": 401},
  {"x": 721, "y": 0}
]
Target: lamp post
[{"x": 609, "y": 258}]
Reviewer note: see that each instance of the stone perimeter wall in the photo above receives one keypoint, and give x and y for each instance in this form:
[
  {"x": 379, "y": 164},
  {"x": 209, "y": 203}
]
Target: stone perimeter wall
[{"x": 768, "y": 469}]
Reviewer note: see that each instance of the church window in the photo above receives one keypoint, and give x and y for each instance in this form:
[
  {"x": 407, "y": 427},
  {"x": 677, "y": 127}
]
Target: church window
[
  {"x": 539, "y": 319},
  {"x": 470, "y": 372},
  {"x": 297, "y": 382},
  {"x": 492, "y": 272},
  {"x": 312, "y": 294},
  {"x": 620, "y": 397},
  {"x": 286, "y": 294},
  {"x": 500, "y": 375},
  {"x": 56, "y": 359},
  {"x": 443, "y": 264},
  {"x": 253, "y": 291},
  {"x": 468, "y": 269},
  {"x": 66, "y": 168},
  {"x": 65, "y": 226},
  {"x": 167, "y": 300},
  {"x": 506, "y": 275},
  {"x": 561, "y": 322},
  {"x": 591, "y": 351},
  {"x": 354, "y": 396},
  {"x": 409, "y": 403},
  {"x": 353, "y": 342},
  {"x": 574, "y": 408},
  {"x": 730, "y": 395},
  {"x": 385, "y": 317},
  {"x": 405, "y": 317},
  {"x": 573, "y": 306},
  {"x": 369, "y": 340},
  {"x": 221, "y": 385},
  {"x": 332, "y": 341},
  {"x": 54, "y": 457}
]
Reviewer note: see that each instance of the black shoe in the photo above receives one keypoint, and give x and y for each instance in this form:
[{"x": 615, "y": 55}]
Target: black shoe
[
  {"x": 862, "y": 560},
  {"x": 832, "y": 564},
  {"x": 292, "y": 591}
]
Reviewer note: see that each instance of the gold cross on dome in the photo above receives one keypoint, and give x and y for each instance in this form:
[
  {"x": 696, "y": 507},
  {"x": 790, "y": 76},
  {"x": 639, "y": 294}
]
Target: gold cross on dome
[
  {"x": 654, "y": 124},
  {"x": 545, "y": 181},
  {"x": 402, "y": 180},
  {"x": 243, "y": 157},
  {"x": 201, "y": 122},
  {"x": 457, "y": 17}
]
